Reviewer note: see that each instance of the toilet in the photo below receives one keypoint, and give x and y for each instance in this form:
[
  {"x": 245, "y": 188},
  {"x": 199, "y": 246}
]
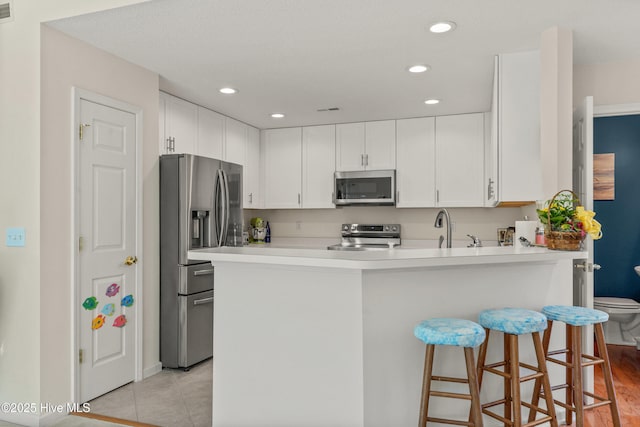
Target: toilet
[{"x": 623, "y": 326}]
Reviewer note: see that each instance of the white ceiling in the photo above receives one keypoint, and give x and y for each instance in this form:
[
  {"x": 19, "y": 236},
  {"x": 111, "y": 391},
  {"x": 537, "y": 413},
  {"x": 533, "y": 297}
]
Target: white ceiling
[{"x": 298, "y": 56}]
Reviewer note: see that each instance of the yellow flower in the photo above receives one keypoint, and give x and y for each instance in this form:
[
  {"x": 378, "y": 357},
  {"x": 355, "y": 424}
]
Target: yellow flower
[{"x": 589, "y": 224}]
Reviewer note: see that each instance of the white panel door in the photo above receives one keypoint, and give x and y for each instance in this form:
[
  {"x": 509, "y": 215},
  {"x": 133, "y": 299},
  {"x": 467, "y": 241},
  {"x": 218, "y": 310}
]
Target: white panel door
[
  {"x": 251, "y": 170},
  {"x": 415, "y": 172},
  {"x": 282, "y": 150},
  {"x": 460, "y": 160},
  {"x": 318, "y": 166},
  {"x": 236, "y": 141},
  {"x": 350, "y": 147},
  {"x": 380, "y": 145},
  {"x": 583, "y": 187},
  {"x": 107, "y": 203},
  {"x": 210, "y": 134},
  {"x": 181, "y": 122}
]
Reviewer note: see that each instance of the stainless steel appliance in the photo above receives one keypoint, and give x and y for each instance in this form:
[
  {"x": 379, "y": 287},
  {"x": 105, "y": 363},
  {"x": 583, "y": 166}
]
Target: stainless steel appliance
[
  {"x": 368, "y": 237},
  {"x": 200, "y": 207},
  {"x": 376, "y": 187}
]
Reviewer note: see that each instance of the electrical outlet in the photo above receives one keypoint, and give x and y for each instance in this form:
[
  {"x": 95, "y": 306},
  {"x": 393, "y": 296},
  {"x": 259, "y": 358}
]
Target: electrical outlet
[{"x": 15, "y": 236}]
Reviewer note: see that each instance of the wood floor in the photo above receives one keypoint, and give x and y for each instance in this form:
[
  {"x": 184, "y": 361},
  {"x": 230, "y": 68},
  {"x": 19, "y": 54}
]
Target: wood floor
[{"x": 625, "y": 364}]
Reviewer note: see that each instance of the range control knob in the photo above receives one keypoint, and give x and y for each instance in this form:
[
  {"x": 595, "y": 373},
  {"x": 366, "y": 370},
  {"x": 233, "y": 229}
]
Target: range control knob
[
  {"x": 394, "y": 228},
  {"x": 386, "y": 228},
  {"x": 345, "y": 227}
]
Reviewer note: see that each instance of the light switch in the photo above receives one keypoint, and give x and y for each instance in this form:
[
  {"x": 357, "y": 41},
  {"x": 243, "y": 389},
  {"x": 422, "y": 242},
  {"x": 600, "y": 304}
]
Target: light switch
[{"x": 15, "y": 236}]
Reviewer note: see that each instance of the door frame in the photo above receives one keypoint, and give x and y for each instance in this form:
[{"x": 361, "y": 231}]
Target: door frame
[
  {"x": 616, "y": 110},
  {"x": 79, "y": 94}
]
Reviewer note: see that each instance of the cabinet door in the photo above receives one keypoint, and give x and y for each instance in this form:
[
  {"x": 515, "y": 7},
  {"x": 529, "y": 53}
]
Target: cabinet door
[
  {"x": 350, "y": 147},
  {"x": 318, "y": 166},
  {"x": 380, "y": 145},
  {"x": 210, "y": 134},
  {"x": 491, "y": 145},
  {"x": 459, "y": 160},
  {"x": 181, "y": 123},
  {"x": 415, "y": 172},
  {"x": 235, "y": 141},
  {"x": 251, "y": 170},
  {"x": 162, "y": 130},
  {"x": 282, "y": 150}
]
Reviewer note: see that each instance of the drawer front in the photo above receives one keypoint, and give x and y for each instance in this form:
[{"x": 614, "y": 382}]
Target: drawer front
[{"x": 195, "y": 278}]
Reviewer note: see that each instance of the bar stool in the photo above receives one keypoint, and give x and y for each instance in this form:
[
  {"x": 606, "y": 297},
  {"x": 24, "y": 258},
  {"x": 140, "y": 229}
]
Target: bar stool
[
  {"x": 514, "y": 322},
  {"x": 575, "y": 318},
  {"x": 454, "y": 332}
]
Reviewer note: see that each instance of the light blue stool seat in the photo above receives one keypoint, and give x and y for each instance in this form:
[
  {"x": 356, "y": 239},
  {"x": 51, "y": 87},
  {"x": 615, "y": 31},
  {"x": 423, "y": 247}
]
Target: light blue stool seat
[
  {"x": 515, "y": 321},
  {"x": 576, "y": 316},
  {"x": 447, "y": 331}
]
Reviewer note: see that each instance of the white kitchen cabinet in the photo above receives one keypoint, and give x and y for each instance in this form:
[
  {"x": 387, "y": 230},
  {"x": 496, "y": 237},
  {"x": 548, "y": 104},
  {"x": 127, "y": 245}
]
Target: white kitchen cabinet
[
  {"x": 513, "y": 162},
  {"x": 415, "y": 170},
  {"x": 235, "y": 141},
  {"x": 180, "y": 126},
  {"x": 460, "y": 160},
  {"x": 211, "y": 133},
  {"x": 282, "y": 168},
  {"x": 380, "y": 145},
  {"x": 318, "y": 166},
  {"x": 366, "y": 146},
  {"x": 251, "y": 170}
]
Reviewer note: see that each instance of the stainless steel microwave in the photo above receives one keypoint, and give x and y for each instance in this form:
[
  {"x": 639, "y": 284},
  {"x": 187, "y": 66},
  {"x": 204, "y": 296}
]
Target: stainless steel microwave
[{"x": 355, "y": 188}]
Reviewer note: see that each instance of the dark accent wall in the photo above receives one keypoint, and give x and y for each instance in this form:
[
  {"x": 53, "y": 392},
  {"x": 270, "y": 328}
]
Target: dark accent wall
[{"x": 619, "y": 249}]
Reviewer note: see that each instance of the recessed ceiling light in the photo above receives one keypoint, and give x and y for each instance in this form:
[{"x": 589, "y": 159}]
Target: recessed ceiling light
[
  {"x": 432, "y": 101},
  {"x": 277, "y": 115},
  {"x": 418, "y": 68},
  {"x": 228, "y": 90},
  {"x": 442, "y": 27}
]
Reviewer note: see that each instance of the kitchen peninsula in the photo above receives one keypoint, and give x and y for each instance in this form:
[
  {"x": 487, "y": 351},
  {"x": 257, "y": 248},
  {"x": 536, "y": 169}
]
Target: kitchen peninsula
[{"x": 310, "y": 337}]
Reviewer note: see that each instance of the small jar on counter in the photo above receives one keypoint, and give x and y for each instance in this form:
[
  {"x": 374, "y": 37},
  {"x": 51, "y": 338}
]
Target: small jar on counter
[{"x": 540, "y": 236}]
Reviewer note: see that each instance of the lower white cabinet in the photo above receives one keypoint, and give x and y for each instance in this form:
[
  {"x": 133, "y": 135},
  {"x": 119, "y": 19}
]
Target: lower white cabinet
[
  {"x": 415, "y": 158},
  {"x": 282, "y": 168},
  {"x": 318, "y": 166},
  {"x": 460, "y": 160}
]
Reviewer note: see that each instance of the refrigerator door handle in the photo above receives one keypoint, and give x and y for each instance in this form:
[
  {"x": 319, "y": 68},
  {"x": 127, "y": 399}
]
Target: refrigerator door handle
[
  {"x": 227, "y": 205},
  {"x": 222, "y": 208},
  {"x": 203, "y": 301}
]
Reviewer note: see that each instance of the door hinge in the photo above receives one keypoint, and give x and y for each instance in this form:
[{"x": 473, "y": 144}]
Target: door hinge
[
  {"x": 80, "y": 243},
  {"x": 81, "y": 130},
  {"x": 80, "y": 356}
]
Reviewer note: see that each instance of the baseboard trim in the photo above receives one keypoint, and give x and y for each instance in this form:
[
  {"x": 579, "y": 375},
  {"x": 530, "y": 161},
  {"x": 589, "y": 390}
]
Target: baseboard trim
[
  {"x": 111, "y": 419},
  {"x": 152, "y": 370}
]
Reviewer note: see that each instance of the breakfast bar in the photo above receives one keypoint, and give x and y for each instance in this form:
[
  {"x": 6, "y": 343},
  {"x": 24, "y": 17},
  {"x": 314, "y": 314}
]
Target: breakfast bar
[{"x": 310, "y": 337}]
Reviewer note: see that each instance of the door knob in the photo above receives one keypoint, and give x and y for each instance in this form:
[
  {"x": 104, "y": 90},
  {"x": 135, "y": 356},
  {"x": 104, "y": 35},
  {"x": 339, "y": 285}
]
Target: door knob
[
  {"x": 130, "y": 260},
  {"x": 587, "y": 266}
]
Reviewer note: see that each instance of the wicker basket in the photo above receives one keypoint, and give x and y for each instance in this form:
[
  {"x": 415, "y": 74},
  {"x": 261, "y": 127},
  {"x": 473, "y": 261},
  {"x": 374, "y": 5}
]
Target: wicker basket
[{"x": 562, "y": 240}]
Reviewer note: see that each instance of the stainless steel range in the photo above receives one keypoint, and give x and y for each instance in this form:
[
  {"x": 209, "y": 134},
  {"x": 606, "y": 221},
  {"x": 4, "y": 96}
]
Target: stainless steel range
[{"x": 366, "y": 237}]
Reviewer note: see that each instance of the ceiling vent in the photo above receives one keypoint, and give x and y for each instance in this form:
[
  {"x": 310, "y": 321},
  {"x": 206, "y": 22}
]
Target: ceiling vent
[{"x": 6, "y": 11}]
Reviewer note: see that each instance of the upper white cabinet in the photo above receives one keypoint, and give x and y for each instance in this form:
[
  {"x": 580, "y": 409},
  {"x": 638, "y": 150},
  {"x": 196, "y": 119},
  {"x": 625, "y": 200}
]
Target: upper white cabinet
[
  {"x": 318, "y": 166},
  {"x": 251, "y": 170},
  {"x": 282, "y": 168},
  {"x": 210, "y": 133},
  {"x": 235, "y": 141},
  {"x": 460, "y": 160},
  {"x": 180, "y": 125},
  {"x": 366, "y": 146},
  {"x": 415, "y": 171},
  {"x": 513, "y": 163}
]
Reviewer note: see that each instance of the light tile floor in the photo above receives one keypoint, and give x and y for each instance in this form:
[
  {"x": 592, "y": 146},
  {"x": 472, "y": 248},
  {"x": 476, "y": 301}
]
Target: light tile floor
[{"x": 171, "y": 398}]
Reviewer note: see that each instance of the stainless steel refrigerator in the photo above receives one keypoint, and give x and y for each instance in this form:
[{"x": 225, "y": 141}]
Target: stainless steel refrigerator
[{"x": 200, "y": 207}]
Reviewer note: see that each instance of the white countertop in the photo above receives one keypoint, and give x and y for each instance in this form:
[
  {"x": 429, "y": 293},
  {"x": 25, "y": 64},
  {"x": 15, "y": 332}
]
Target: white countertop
[{"x": 402, "y": 257}]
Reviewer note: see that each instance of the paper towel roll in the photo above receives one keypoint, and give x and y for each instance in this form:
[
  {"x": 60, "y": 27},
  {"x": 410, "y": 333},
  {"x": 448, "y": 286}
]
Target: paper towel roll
[{"x": 526, "y": 229}]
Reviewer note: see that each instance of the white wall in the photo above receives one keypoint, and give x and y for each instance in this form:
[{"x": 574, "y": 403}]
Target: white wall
[
  {"x": 67, "y": 62},
  {"x": 416, "y": 223},
  {"x": 608, "y": 83},
  {"x": 20, "y": 205}
]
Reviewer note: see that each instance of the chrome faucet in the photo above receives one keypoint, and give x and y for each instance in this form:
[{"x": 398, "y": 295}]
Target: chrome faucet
[
  {"x": 476, "y": 242},
  {"x": 438, "y": 224}
]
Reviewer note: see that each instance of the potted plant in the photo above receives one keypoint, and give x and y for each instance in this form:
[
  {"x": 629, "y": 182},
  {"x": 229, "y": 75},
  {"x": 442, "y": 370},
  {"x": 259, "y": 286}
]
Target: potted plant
[{"x": 567, "y": 222}]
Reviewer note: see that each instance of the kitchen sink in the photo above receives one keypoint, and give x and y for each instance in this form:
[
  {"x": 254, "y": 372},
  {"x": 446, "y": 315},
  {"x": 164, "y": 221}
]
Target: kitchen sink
[{"x": 340, "y": 247}]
